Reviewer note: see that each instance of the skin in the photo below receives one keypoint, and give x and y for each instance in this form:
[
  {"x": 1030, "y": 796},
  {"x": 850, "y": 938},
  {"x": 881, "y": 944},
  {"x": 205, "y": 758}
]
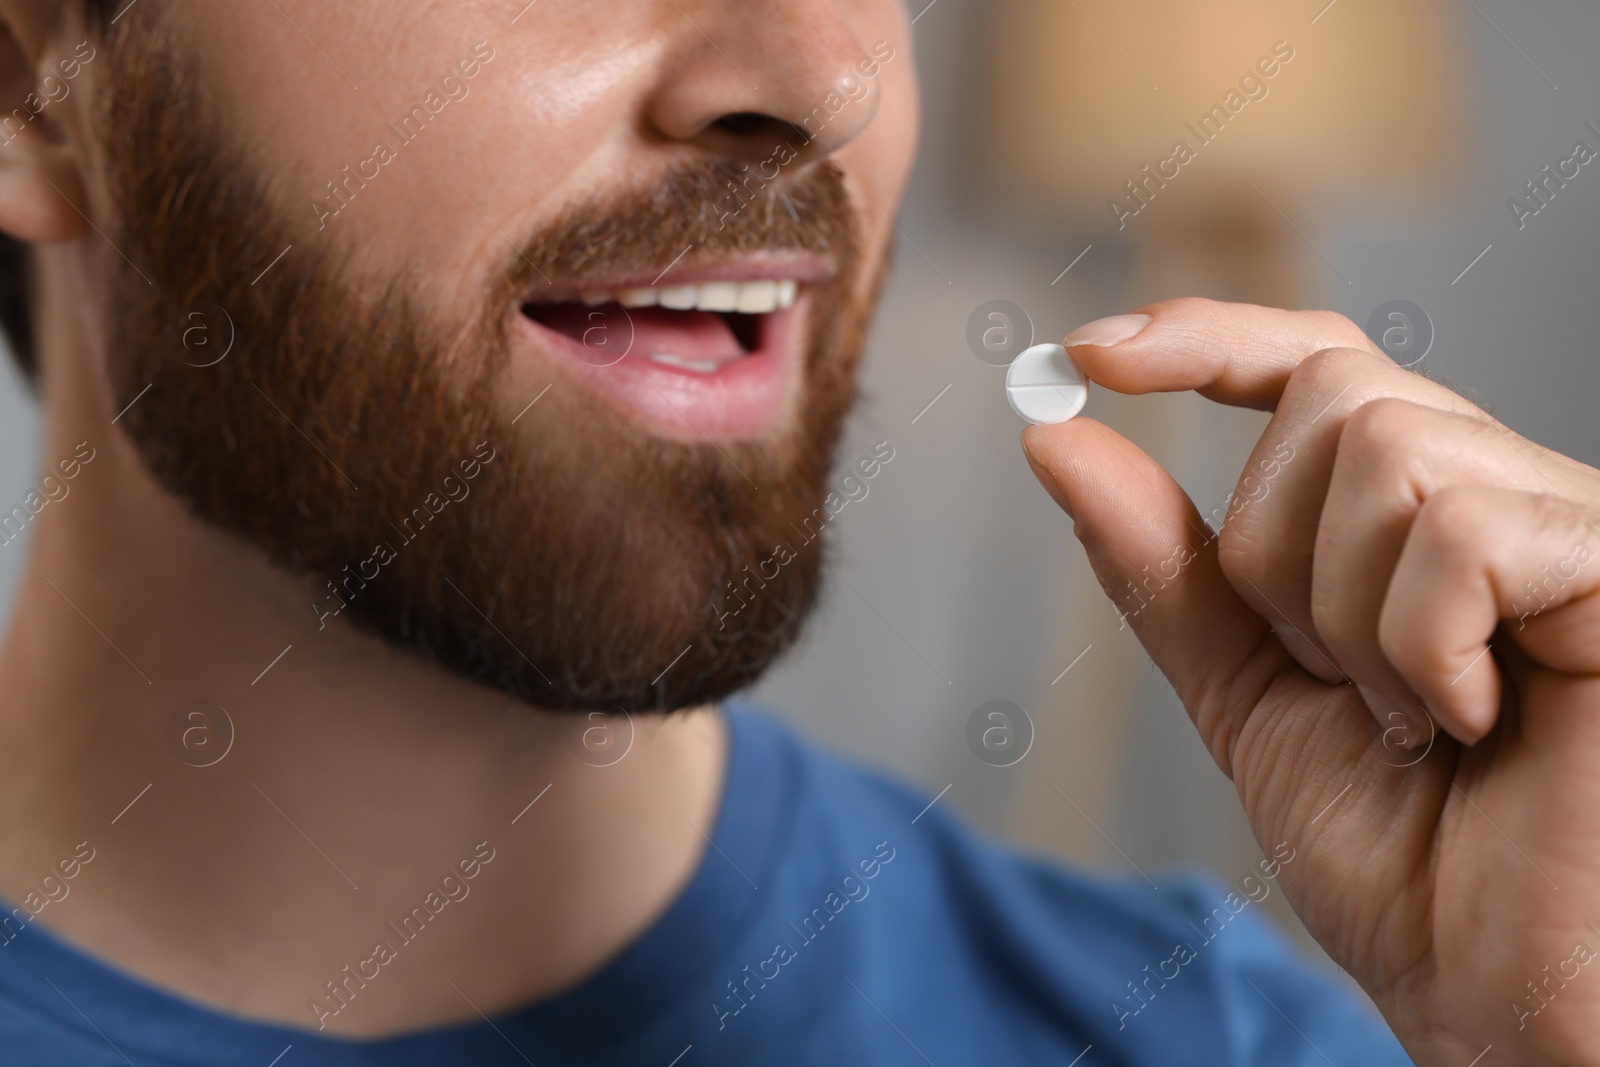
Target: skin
[
  {"x": 1390, "y": 546},
  {"x": 393, "y": 769},
  {"x": 1394, "y": 539}
]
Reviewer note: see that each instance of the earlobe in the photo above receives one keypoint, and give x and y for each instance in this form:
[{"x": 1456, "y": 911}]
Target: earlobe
[
  {"x": 38, "y": 198},
  {"x": 41, "y": 189}
]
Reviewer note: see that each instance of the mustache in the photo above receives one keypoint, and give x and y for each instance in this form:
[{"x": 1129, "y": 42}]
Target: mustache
[
  {"x": 600, "y": 552},
  {"x": 705, "y": 210}
]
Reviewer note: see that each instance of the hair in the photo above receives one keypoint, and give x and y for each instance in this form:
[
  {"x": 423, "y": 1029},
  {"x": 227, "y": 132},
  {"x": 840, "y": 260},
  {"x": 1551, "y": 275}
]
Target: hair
[{"x": 16, "y": 271}]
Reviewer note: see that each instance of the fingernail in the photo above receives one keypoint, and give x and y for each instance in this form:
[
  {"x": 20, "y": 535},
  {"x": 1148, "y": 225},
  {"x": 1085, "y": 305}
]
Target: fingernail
[
  {"x": 1047, "y": 478},
  {"x": 1108, "y": 331},
  {"x": 1468, "y": 733},
  {"x": 1401, "y": 727}
]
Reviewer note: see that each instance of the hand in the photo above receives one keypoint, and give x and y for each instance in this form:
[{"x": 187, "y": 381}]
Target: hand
[{"x": 1386, "y": 533}]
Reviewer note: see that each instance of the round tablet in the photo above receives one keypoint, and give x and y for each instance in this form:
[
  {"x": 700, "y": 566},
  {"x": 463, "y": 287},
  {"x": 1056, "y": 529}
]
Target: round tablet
[{"x": 1044, "y": 385}]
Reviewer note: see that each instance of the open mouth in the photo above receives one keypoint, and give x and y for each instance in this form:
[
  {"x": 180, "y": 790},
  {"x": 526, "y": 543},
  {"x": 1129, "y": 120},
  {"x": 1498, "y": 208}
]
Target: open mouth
[
  {"x": 695, "y": 328},
  {"x": 706, "y": 358}
]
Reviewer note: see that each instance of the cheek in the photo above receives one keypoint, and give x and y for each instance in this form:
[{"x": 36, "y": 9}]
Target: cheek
[
  {"x": 543, "y": 107},
  {"x": 880, "y": 160}
]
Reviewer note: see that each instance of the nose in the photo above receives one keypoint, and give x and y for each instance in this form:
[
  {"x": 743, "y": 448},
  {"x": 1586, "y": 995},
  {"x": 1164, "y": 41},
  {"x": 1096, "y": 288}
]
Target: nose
[{"x": 747, "y": 76}]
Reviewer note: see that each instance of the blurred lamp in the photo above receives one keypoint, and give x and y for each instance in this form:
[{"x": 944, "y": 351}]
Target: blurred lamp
[{"x": 1218, "y": 119}]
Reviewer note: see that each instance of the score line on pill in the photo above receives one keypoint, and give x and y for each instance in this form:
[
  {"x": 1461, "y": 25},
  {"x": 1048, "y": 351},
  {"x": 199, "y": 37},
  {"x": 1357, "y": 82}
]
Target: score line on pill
[{"x": 1045, "y": 386}]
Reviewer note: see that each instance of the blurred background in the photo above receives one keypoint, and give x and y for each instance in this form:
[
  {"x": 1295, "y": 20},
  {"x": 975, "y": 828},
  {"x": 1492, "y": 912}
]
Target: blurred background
[{"x": 1376, "y": 163}]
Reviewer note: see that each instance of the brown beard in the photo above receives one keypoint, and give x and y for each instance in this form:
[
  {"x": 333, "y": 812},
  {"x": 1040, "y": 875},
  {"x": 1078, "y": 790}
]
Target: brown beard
[{"x": 586, "y": 557}]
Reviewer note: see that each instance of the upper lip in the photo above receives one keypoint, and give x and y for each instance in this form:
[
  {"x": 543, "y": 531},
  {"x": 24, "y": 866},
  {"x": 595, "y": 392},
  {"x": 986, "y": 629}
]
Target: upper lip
[{"x": 777, "y": 266}]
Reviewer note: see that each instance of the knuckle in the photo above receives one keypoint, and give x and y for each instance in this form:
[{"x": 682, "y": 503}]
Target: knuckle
[
  {"x": 1386, "y": 425},
  {"x": 1328, "y": 372},
  {"x": 1338, "y": 330}
]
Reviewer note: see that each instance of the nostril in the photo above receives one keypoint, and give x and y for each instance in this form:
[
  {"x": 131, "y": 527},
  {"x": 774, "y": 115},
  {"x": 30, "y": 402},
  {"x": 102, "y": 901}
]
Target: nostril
[
  {"x": 757, "y": 128},
  {"x": 744, "y": 123}
]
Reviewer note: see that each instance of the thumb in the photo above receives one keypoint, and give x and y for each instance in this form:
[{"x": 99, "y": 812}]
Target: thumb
[
  {"x": 1305, "y": 756},
  {"x": 1157, "y": 561}
]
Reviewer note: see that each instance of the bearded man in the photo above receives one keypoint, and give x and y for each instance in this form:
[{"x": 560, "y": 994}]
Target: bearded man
[{"x": 448, "y": 395}]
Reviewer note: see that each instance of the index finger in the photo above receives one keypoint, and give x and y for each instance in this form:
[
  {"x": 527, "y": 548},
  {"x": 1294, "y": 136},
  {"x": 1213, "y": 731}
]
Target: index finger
[{"x": 1238, "y": 354}]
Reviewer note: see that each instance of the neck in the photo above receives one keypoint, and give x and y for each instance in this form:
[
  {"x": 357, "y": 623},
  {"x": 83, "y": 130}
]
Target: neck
[{"x": 290, "y": 795}]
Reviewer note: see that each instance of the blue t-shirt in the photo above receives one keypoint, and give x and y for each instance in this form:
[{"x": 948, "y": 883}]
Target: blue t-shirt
[{"x": 833, "y": 921}]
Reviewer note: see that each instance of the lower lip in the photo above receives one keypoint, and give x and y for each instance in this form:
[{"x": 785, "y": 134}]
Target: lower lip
[{"x": 741, "y": 399}]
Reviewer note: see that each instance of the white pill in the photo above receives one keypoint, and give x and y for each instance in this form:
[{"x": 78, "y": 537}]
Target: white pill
[{"x": 1044, "y": 385}]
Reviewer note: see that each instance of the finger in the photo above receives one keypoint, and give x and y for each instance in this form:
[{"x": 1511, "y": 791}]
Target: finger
[
  {"x": 1157, "y": 563},
  {"x": 1270, "y": 535},
  {"x": 1393, "y": 455},
  {"x": 1477, "y": 556},
  {"x": 1238, "y": 354},
  {"x": 1302, "y": 753},
  {"x": 1396, "y": 437}
]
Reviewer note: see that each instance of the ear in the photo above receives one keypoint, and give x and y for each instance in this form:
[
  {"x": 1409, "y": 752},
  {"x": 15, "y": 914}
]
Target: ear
[{"x": 41, "y": 185}]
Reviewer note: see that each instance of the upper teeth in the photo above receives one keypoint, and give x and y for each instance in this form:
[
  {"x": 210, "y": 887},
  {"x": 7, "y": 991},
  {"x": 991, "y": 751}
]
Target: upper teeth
[{"x": 750, "y": 298}]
